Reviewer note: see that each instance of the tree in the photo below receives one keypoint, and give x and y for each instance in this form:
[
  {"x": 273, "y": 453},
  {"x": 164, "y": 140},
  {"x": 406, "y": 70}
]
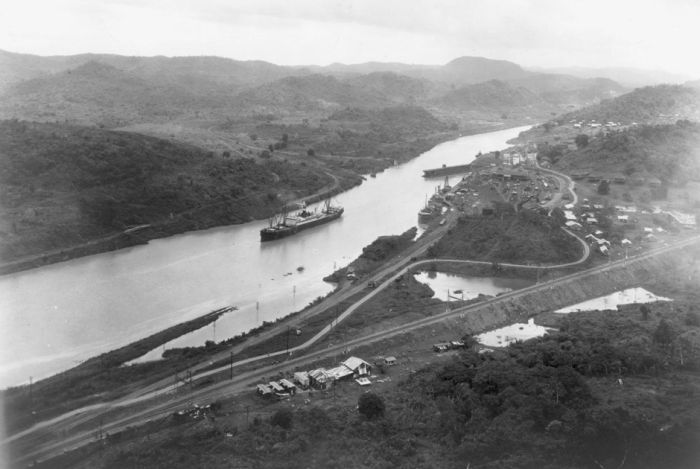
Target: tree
[
  {"x": 663, "y": 334},
  {"x": 644, "y": 309},
  {"x": 581, "y": 141},
  {"x": 282, "y": 418},
  {"x": 370, "y": 405},
  {"x": 604, "y": 187},
  {"x": 311, "y": 152},
  {"x": 226, "y": 154},
  {"x": 692, "y": 319}
]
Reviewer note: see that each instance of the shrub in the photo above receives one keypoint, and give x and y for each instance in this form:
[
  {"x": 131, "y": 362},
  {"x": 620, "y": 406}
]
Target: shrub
[
  {"x": 370, "y": 405},
  {"x": 282, "y": 418}
]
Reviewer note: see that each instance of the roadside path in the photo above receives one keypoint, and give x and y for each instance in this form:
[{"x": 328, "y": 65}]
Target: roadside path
[
  {"x": 240, "y": 382},
  {"x": 403, "y": 263},
  {"x": 165, "y": 386}
]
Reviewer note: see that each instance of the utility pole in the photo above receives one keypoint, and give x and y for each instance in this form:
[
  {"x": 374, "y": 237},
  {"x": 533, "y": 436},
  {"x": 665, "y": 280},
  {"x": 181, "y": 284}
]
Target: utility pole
[
  {"x": 288, "y": 339},
  {"x": 231, "y": 365}
]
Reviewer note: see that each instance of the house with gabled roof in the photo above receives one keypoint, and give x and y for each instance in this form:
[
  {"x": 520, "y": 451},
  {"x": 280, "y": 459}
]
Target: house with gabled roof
[{"x": 358, "y": 366}]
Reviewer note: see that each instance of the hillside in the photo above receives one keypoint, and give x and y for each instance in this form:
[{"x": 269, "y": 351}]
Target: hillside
[
  {"x": 97, "y": 93},
  {"x": 568, "y": 90},
  {"x": 610, "y": 389},
  {"x": 229, "y": 72},
  {"x": 63, "y": 185},
  {"x": 651, "y": 104},
  {"x": 399, "y": 89},
  {"x": 627, "y": 76},
  {"x": 393, "y": 133},
  {"x": 469, "y": 70},
  {"x": 525, "y": 237},
  {"x": 308, "y": 93},
  {"x": 118, "y": 91},
  {"x": 668, "y": 152},
  {"x": 493, "y": 97},
  {"x": 663, "y": 104}
]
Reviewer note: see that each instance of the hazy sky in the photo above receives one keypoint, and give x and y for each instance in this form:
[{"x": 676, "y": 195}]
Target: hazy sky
[{"x": 650, "y": 34}]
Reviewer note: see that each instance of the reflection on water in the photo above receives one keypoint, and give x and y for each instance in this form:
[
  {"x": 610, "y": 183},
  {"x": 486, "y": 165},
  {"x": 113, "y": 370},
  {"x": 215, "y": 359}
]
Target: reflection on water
[
  {"x": 629, "y": 296},
  {"x": 55, "y": 316},
  {"x": 450, "y": 287},
  {"x": 505, "y": 336}
]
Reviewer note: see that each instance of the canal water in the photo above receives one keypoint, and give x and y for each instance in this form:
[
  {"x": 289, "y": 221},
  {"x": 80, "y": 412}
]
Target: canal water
[{"x": 56, "y": 316}]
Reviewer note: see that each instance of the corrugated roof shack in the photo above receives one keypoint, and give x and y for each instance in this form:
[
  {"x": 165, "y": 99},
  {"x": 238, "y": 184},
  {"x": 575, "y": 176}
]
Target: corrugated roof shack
[
  {"x": 358, "y": 366},
  {"x": 319, "y": 379},
  {"x": 302, "y": 379},
  {"x": 340, "y": 373},
  {"x": 288, "y": 386}
]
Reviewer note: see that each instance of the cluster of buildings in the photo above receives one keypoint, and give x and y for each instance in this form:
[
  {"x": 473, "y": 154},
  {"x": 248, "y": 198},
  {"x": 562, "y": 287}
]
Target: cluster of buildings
[
  {"x": 594, "y": 124},
  {"x": 322, "y": 378},
  {"x": 445, "y": 346},
  {"x": 518, "y": 156}
]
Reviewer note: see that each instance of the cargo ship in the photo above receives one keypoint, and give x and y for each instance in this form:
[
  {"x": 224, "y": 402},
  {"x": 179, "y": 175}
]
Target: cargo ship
[{"x": 284, "y": 225}]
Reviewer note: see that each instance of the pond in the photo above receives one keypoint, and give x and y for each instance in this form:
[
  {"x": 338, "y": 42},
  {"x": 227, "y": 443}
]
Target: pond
[
  {"x": 635, "y": 295},
  {"x": 451, "y": 287}
]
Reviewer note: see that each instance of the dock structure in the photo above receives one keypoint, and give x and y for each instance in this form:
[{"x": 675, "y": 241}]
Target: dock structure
[{"x": 446, "y": 170}]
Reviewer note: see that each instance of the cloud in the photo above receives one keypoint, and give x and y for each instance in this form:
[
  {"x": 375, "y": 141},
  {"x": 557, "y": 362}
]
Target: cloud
[{"x": 642, "y": 33}]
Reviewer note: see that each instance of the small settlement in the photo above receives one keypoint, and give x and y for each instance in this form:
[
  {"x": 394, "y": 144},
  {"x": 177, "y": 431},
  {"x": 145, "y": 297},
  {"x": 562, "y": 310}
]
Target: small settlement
[
  {"x": 498, "y": 177},
  {"x": 321, "y": 378}
]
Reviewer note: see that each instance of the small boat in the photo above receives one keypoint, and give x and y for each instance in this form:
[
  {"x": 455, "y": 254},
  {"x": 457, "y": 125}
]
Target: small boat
[
  {"x": 457, "y": 292},
  {"x": 300, "y": 268}
]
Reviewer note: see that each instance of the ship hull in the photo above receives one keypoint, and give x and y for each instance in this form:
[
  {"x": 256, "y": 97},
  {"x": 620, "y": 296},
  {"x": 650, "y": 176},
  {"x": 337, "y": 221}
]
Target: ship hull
[{"x": 278, "y": 232}]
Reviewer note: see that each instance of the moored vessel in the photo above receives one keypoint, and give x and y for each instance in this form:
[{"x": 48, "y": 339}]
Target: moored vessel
[{"x": 285, "y": 225}]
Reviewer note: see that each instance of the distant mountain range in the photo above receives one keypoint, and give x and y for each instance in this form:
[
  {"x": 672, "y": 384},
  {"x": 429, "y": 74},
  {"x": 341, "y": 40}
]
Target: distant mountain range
[
  {"x": 112, "y": 90},
  {"x": 630, "y": 77}
]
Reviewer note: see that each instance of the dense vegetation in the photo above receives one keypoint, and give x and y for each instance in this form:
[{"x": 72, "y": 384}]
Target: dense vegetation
[
  {"x": 385, "y": 133},
  {"x": 62, "y": 185},
  {"x": 96, "y": 93},
  {"x": 643, "y": 105},
  {"x": 668, "y": 152},
  {"x": 375, "y": 254},
  {"x": 520, "y": 238},
  {"x": 609, "y": 390},
  {"x": 494, "y": 97}
]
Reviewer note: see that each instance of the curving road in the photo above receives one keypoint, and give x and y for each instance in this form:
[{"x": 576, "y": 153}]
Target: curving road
[
  {"x": 242, "y": 381},
  {"x": 404, "y": 265},
  {"x": 386, "y": 276}
]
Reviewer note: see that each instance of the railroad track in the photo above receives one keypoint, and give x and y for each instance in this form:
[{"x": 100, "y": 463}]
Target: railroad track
[{"x": 243, "y": 380}]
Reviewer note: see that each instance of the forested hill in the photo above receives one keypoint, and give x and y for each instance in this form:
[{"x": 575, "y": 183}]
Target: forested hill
[
  {"x": 495, "y": 97},
  {"x": 669, "y": 152},
  {"x": 63, "y": 185},
  {"x": 98, "y": 93},
  {"x": 652, "y": 104}
]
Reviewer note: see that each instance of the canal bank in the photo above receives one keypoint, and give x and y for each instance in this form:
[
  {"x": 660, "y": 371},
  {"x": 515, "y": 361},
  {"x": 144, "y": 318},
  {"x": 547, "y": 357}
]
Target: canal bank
[{"x": 64, "y": 313}]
